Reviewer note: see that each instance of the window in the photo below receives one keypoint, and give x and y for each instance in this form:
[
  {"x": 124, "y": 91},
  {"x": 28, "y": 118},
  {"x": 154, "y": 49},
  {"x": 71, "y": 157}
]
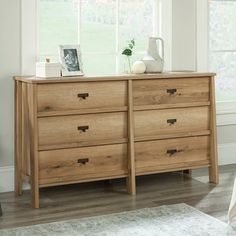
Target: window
[
  {"x": 223, "y": 47},
  {"x": 102, "y": 27}
]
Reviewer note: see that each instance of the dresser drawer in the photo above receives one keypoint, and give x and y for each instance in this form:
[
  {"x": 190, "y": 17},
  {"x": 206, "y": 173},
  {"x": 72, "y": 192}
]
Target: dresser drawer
[
  {"x": 80, "y": 164},
  {"x": 171, "y": 121},
  {"x": 83, "y": 95},
  {"x": 80, "y": 130},
  {"x": 170, "y": 91},
  {"x": 172, "y": 154}
]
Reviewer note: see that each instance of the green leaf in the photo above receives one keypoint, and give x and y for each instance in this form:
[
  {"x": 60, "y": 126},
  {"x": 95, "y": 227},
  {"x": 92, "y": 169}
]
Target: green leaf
[
  {"x": 133, "y": 42},
  {"x": 131, "y": 45},
  {"x": 127, "y": 52}
]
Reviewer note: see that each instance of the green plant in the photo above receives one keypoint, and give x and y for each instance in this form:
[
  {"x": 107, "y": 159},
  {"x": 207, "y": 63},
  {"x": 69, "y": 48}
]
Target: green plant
[{"x": 128, "y": 52}]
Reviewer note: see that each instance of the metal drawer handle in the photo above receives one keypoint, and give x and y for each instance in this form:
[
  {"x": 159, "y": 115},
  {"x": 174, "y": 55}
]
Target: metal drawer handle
[
  {"x": 171, "y": 152},
  {"x": 171, "y": 91},
  {"x": 83, "y": 128},
  {"x": 82, "y": 95},
  {"x": 171, "y": 121},
  {"x": 83, "y": 161}
]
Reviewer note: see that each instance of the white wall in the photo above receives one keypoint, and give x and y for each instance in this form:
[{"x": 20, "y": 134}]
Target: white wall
[
  {"x": 187, "y": 52},
  {"x": 190, "y": 52},
  {"x": 183, "y": 35},
  {"x": 10, "y": 64}
]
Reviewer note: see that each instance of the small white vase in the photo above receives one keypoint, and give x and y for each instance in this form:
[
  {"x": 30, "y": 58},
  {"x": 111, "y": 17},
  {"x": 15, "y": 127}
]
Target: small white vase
[{"x": 138, "y": 67}]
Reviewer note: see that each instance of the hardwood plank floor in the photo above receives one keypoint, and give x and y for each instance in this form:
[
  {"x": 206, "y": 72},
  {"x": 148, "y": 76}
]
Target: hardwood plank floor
[{"x": 98, "y": 198}]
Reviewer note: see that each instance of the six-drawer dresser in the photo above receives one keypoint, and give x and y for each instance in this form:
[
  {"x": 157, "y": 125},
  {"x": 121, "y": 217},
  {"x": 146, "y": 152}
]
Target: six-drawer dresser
[{"x": 78, "y": 129}]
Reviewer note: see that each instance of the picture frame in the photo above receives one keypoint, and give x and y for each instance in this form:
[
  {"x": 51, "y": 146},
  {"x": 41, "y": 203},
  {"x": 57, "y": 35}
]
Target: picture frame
[{"x": 70, "y": 58}]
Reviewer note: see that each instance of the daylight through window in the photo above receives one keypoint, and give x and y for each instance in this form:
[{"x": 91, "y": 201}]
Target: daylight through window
[
  {"x": 102, "y": 27},
  {"x": 223, "y": 47}
]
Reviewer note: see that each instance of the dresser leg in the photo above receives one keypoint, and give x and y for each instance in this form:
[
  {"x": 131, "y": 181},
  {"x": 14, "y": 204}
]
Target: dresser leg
[
  {"x": 18, "y": 183},
  {"x": 213, "y": 169},
  {"x": 213, "y": 175},
  {"x": 131, "y": 179},
  {"x": 35, "y": 197},
  {"x": 18, "y": 138},
  {"x": 0, "y": 210},
  {"x": 131, "y": 188},
  {"x": 187, "y": 172}
]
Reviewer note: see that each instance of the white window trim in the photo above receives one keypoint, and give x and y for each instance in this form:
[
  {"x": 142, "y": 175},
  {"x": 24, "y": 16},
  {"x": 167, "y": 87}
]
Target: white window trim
[
  {"x": 28, "y": 36},
  {"x": 29, "y": 21},
  {"x": 117, "y": 52},
  {"x": 226, "y": 110},
  {"x": 29, "y": 45}
]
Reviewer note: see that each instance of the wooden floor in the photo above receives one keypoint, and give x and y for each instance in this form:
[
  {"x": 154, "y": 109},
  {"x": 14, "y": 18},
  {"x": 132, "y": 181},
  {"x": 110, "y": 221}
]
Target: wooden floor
[{"x": 90, "y": 199}]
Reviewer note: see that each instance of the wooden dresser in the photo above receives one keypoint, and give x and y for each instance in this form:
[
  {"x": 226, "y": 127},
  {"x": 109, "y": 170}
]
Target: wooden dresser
[{"x": 78, "y": 129}]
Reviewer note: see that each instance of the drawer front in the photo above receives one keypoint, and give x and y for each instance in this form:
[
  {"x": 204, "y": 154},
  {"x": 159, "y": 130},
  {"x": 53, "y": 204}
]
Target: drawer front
[
  {"x": 170, "y": 91},
  {"x": 79, "y": 129},
  {"x": 84, "y": 95},
  {"x": 82, "y": 163},
  {"x": 171, "y": 121},
  {"x": 172, "y": 153}
]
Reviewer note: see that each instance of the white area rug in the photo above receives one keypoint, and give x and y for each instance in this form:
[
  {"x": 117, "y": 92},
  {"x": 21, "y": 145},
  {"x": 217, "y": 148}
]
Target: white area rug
[{"x": 171, "y": 220}]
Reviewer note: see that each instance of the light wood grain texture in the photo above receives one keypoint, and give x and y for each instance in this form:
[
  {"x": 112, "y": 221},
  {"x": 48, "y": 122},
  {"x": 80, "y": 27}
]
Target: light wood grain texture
[
  {"x": 18, "y": 138},
  {"x": 93, "y": 95},
  {"x": 177, "y": 167},
  {"x": 107, "y": 127},
  {"x": 159, "y": 122},
  {"x": 170, "y": 106},
  {"x": 117, "y": 77},
  {"x": 82, "y": 163},
  {"x": 165, "y": 154},
  {"x": 33, "y": 124},
  {"x": 93, "y": 177},
  {"x": 66, "y": 129},
  {"x": 97, "y": 198},
  {"x": 83, "y": 144},
  {"x": 131, "y": 185},
  {"x": 170, "y": 135},
  {"x": 25, "y": 132},
  {"x": 213, "y": 169},
  {"x": 170, "y": 91},
  {"x": 82, "y": 112}
]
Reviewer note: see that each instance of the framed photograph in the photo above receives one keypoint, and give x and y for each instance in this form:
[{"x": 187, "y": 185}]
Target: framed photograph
[{"x": 70, "y": 57}]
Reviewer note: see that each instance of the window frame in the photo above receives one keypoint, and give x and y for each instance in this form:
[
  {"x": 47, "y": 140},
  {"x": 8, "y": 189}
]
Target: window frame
[
  {"x": 29, "y": 33},
  {"x": 220, "y": 102},
  {"x": 225, "y": 109},
  {"x": 118, "y": 47}
]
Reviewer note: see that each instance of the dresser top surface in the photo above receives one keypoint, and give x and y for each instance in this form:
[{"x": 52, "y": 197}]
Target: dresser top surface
[{"x": 115, "y": 77}]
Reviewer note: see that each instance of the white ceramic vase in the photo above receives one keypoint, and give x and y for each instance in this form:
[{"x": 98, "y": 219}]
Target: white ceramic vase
[{"x": 138, "y": 67}]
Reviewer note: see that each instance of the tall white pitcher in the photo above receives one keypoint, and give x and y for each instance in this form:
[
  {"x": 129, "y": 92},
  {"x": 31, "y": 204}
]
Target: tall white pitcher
[{"x": 153, "y": 60}]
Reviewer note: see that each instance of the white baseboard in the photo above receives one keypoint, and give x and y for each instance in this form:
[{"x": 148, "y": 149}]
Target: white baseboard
[
  {"x": 6, "y": 178},
  {"x": 226, "y": 113},
  {"x": 226, "y": 155}
]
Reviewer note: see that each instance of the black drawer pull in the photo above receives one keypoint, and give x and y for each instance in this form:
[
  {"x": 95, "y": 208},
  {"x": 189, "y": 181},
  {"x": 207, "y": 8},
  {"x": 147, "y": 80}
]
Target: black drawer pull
[
  {"x": 171, "y": 152},
  {"x": 171, "y": 121},
  {"x": 83, "y": 128},
  {"x": 83, "y": 161},
  {"x": 83, "y": 95},
  {"x": 171, "y": 91}
]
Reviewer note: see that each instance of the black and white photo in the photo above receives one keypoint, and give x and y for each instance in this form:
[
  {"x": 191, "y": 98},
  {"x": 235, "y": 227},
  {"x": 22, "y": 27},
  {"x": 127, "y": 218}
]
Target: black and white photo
[{"x": 70, "y": 57}]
